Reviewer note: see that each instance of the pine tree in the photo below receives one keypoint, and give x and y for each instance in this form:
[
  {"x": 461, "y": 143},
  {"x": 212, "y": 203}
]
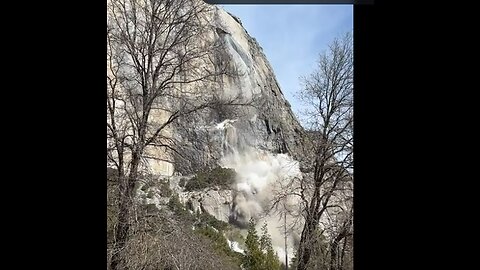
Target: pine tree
[
  {"x": 259, "y": 253},
  {"x": 254, "y": 257},
  {"x": 271, "y": 261}
]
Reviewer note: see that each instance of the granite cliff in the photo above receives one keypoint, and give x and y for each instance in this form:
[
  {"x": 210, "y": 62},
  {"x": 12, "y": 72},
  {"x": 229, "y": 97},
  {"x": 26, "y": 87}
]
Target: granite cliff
[
  {"x": 268, "y": 124},
  {"x": 260, "y": 139}
]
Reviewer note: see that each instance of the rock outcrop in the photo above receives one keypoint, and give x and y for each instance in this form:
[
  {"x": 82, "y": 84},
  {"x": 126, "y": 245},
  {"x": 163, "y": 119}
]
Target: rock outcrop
[{"x": 268, "y": 123}]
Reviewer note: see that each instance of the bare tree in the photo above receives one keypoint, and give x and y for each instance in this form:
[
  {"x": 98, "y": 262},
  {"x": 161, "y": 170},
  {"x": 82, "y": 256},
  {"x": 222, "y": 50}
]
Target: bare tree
[
  {"x": 162, "y": 240},
  {"x": 162, "y": 64},
  {"x": 340, "y": 230},
  {"x": 328, "y": 94}
]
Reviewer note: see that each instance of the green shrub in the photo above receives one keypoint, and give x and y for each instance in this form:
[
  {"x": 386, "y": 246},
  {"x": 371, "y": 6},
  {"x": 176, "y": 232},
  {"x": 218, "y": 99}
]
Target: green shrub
[
  {"x": 221, "y": 177},
  {"x": 178, "y": 208},
  {"x": 206, "y": 218},
  {"x": 219, "y": 241}
]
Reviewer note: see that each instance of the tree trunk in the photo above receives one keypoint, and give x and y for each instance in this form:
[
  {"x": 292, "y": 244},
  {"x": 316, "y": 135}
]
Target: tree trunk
[
  {"x": 303, "y": 254},
  {"x": 342, "y": 254},
  {"x": 334, "y": 254},
  {"x": 127, "y": 186},
  {"x": 306, "y": 244},
  {"x": 121, "y": 232},
  {"x": 335, "y": 262}
]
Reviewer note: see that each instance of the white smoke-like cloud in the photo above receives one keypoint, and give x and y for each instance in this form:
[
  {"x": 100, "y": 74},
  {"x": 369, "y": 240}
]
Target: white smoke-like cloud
[{"x": 260, "y": 175}]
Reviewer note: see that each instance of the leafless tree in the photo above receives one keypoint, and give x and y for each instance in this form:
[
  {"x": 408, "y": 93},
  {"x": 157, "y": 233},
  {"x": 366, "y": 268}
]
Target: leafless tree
[
  {"x": 161, "y": 240},
  {"x": 328, "y": 94},
  {"x": 162, "y": 64},
  {"x": 339, "y": 226}
]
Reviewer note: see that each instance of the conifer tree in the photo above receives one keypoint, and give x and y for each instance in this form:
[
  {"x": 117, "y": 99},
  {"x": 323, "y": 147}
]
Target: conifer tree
[
  {"x": 254, "y": 256},
  {"x": 271, "y": 261}
]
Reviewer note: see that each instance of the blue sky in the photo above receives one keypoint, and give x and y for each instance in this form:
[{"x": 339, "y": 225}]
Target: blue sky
[{"x": 292, "y": 36}]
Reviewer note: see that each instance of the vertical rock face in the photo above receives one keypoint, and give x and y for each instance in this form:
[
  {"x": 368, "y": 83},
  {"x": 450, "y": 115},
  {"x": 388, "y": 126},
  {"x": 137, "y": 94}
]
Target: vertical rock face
[
  {"x": 261, "y": 142},
  {"x": 259, "y": 137},
  {"x": 262, "y": 117},
  {"x": 268, "y": 123},
  {"x": 265, "y": 121}
]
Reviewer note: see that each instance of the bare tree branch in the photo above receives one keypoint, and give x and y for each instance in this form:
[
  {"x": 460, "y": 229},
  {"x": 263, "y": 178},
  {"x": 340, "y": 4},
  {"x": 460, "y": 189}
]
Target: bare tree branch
[{"x": 329, "y": 93}]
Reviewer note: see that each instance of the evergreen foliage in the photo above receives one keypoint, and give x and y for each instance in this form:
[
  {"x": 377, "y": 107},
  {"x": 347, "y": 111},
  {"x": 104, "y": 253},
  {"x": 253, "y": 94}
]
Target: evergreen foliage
[
  {"x": 221, "y": 177},
  {"x": 259, "y": 253},
  {"x": 271, "y": 261}
]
